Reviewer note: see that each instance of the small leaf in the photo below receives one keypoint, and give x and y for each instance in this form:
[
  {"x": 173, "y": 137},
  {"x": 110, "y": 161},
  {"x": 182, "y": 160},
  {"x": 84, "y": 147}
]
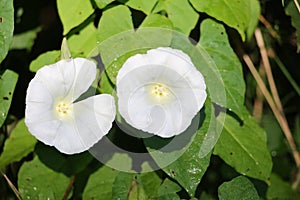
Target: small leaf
[
  {"x": 6, "y": 26},
  {"x": 280, "y": 189},
  {"x": 8, "y": 81},
  {"x": 99, "y": 185},
  {"x": 36, "y": 181},
  {"x": 113, "y": 21},
  {"x": 19, "y": 144},
  {"x": 238, "y": 188},
  {"x": 215, "y": 41},
  {"x": 47, "y": 58},
  {"x": 156, "y": 20},
  {"x": 144, "y": 6},
  {"x": 243, "y": 146},
  {"x": 294, "y": 13},
  {"x": 241, "y": 15},
  {"x": 168, "y": 187},
  {"x": 102, "y": 3},
  {"x": 73, "y": 12},
  {"x": 84, "y": 42},
  {"x": 24, "y": 40}
]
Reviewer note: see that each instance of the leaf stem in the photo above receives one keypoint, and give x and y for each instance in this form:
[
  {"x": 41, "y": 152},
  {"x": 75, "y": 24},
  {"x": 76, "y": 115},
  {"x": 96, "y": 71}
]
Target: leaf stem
[
  {"x": 69, "y": 188},
  {"x": 282, "y": 122},
  {"x": 11, "y": 185},
  {"x": 297, "y": 5}
]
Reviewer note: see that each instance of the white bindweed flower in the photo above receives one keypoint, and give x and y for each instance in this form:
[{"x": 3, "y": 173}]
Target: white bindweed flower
[
  {"x": 54, "y": 116},
  {"x": 160, "y": 92}
]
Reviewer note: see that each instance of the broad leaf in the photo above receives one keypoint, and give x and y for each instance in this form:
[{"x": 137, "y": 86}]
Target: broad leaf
[
  {"x": 6, "y": 26},
  {"x": 144, "y": 6},
  {"x": 84, "y": 42},
  {"x": 181, "y": 14},
  {"x": 36, "y": 181},
  {"x": 168, "y": 189},
  {"x": 47, "y": 58},
  {"x": 156, "y": 20},
  {"x": 113, "y": 21},
  {"x": 243, "y": 146},
  {"x": 215, "y": 41},
  {"x": 19, "y": 144},
  {"x": 102, "y": 3},
  {"x": 180, "y": 157},
  {"x": 238, "y": 188},
  {"x": 241, "y": 15},
  {"x": 99, "y": 185},
  {"x": 73, "y": 12},
  {"x": 294, "y": 13},
  {"x": 8, "y": 81}
]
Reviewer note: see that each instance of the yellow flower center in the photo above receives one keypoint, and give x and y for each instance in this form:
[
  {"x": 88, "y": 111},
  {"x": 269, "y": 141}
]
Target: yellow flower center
[
  {"x": 160, "y": 91},
  {"x": 63, "y": 108}
]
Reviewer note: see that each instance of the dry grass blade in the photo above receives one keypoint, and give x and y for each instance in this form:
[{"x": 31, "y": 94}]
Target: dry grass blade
[
  {"x": 11, "y": 185},
  {"x": 297, "y": 5}
]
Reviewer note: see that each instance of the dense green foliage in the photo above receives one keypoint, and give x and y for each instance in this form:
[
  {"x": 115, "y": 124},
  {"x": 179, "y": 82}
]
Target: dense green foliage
[{"x": 230, "y": 155}]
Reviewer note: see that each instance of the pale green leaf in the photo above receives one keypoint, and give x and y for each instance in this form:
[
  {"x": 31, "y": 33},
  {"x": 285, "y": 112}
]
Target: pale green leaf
[
  {"x": 84, "y": 42},
  {"x": 47, "y": 58},
  {"x": 102, "y": 3},
  {"x": 73, "y": 12},
  {"x": 156, "y": 20},
  {"x": 294, "y": 13},
  {"x": 239, "y": 188},
  {"x": 280, "y": 189},
  {"x": 215, "y": 41},
  {"x": 99, "y": 185},
  {"x": 19, "y": 144},
  {"x": 144, "y": 6},
  {"x": 180, "y": 157},
  {"x": 24, "y": 40},
  {"x": 243, "y": 146},
  {"x": 113, "y": 21},
  {"x": 6, "y": 26},
  {"x": 37, "y": 181},
  {"x": 8, "y": 81},
  {"x": 241, "y": 15}
]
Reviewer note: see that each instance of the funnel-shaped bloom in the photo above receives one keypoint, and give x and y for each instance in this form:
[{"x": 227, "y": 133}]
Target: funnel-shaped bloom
[
  {"x": 160, "y": 92},
  {"x": 54, "y": 116}
]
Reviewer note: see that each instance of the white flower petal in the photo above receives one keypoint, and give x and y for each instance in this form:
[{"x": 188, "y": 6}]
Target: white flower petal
[{"x": 184, "y": 84}]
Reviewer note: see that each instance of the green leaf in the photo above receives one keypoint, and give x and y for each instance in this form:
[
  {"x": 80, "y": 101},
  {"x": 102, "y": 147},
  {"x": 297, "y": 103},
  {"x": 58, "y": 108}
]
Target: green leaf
[
  {"x": 99, "y": 185},
  {"x": 240, "y": 15},
  {"x": 215, "y": 41},
  {"x": 47, "y": 58},
  {"x": 102, "y": 3},
  {"x": 144, "y": 6},
  {"x": 294, "y": 13},
  {"x": 180, "y": 158},
  {"x": 238, "y": 188},
  {"x": 180, "y": 13},
  {"x": 19, "y": 144},
  {"x": 280, "y": 189},
  {"x": 8, "y": 81},
  {"x": 24, "y": 40},
  {"x": 243, "y": 146},
  {"x": 36, "y": 181},
  {"x": 84, "y": 42},
  {"x": 6, "y": 26},
  {"x": 168, "y": 187},
  {"x": 73, "y": 12},
  {"x": 156, "y": 20},
  {"x": 113, "y": 21}
]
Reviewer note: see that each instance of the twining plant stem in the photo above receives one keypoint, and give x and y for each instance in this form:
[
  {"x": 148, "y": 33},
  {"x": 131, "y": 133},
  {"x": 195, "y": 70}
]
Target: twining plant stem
[{"x": 281, "y": 120}]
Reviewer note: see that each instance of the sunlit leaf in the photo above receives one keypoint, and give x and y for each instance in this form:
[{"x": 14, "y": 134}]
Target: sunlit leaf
[
  {"x": 47, "y": 58},
  {"x": 99, "y": 185},
  {"x": 36, "y": 181},
  {"x": 83, "y": 42},
  {"x": 6, "y": 26},
  {"x": 243, "y": 146},
  {"x": 19, "y": 144},
  {"x": 241, "y": 15},
  {"x": 8, "y": 81},
  {"x": 156, "y": 20},
  {"x": 73, "y": 12},
  {"x": 145, "y": 6},
  {"x": 103, "y": 3},
  {"x": 294, "y": 13},
  {"x": 238, "y": 188},
  {"x": 215, "y": 41},
  {"x": 114, "y": 21}
]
